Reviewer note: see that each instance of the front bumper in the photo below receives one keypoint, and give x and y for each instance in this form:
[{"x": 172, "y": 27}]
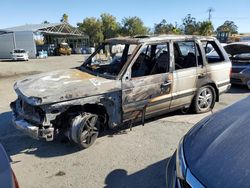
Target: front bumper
[
  {"x": 33, "y": 130},
  {"x": 19, "y": 58},
  {"x": 171, "y": 173},
  {"x": 26, "y": 127},
  {"x": 172, "y": 181}
]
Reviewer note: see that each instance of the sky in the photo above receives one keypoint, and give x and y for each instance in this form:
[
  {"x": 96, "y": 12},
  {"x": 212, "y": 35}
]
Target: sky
[{"x": 20, "y": 12}]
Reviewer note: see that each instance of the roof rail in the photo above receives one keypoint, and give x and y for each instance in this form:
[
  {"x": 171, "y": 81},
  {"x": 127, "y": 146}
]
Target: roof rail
[{"x": 141, "y": 36}]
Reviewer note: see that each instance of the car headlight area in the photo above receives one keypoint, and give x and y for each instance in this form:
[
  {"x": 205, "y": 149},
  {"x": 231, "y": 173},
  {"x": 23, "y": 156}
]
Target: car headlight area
[{"x": 178, "y": 174}]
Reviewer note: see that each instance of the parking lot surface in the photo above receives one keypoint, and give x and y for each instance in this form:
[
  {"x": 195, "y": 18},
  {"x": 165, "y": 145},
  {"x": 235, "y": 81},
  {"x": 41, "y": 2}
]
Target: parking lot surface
[{"x": 119, "y": 158}]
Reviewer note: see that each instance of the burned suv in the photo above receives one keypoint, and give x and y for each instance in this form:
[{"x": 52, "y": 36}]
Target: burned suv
[{"x": 125, "y": 79}]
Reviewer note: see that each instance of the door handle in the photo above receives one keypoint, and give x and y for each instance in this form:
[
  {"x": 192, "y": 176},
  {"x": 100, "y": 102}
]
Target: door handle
[
  {"x": 202, "y": 75},
  {"x": 165, "y": 84}
]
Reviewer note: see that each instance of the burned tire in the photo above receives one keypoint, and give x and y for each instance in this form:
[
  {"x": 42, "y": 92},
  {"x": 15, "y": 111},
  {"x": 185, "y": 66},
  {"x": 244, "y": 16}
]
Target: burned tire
[
  {"x": 84, "y": 129},
  {"x": 204, "y": 99}
]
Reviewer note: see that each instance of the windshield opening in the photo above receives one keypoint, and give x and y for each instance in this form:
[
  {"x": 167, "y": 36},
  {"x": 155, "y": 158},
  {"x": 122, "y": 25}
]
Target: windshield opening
[
  {"x": 19, "y": 51},
  {"x": 109, "y": 59}
]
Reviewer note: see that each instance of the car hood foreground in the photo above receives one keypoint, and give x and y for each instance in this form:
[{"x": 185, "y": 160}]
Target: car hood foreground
[
  {"x": 218, "y": 150},
  {"x": 5, "y": 169},
  {"x": 63, "y": 85}
]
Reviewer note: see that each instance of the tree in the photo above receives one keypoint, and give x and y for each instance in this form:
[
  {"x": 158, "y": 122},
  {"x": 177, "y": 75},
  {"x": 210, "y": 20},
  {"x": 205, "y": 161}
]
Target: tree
[
  {"x": 190, "y": 26},
  {"x": 65, "y": 18},
  {"x": 110, "y": 26},
  {"x": 205, "y": 28},
  {"x": 45, "y": 22},
  {"x": 164, "y": 28},
  {"x": 132, "y": 26},
  {"x": 228, "y": 26},
  {"x": 93, "y": 28}
]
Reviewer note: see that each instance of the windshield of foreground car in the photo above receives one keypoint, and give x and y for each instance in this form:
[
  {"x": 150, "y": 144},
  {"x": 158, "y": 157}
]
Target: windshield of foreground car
[{"x": 109, "y": 59}]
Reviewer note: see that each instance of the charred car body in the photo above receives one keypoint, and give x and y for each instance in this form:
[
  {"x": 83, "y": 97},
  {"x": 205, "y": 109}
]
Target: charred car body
[
  {"x": 240, "y": 57},
  {"x": 123, "y": 80}
]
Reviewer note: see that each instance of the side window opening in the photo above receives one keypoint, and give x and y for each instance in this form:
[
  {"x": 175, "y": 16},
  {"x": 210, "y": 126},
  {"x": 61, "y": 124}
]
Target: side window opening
[
  {"x": 153, "y": 59},
  {"x": 213, "y": 53},
  {"x": 184, "y": 54}
]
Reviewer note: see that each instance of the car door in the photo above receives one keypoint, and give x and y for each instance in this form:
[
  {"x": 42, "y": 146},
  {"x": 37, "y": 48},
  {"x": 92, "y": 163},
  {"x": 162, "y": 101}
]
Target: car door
[
  {"x": 218, "y": 65},
  {"x": 146, "y": 86},
  {"x": 185, "y": 73}
]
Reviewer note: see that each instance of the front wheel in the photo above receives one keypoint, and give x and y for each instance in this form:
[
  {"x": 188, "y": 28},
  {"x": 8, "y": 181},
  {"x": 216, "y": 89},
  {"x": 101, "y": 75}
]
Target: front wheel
[
  {"x": 204, "y": 99},
  {"x": 84, "y": 129}
]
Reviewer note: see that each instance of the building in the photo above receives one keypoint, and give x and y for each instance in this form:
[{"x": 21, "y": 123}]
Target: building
[{"x": 37, "y": 37}]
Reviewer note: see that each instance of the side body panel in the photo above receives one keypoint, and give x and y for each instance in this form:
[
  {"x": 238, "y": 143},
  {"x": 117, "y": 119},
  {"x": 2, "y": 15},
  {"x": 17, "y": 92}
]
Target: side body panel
[{"x": 149, "y": 94}]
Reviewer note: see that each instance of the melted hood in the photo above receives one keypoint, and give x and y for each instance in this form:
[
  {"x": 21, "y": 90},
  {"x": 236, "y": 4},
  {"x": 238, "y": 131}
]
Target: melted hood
[
  {"x": 217, "y": 149},
  {"x": 63, "y": 85}
]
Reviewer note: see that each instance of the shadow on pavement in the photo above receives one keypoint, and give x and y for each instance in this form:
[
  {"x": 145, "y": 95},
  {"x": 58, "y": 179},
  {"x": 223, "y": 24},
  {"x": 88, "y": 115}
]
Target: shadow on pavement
[
  {"x": 6, "y": 60},
  {"x": 152, "y": 176},
  {"x": 236, "y": 89},
  {"x": 15, "y": 142}
]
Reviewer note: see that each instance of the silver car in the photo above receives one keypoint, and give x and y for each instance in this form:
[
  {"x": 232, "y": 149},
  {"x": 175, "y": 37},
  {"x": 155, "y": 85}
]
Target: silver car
[
  {"x": 240, "y": 57},
  {"x": 124, "y": 80},
  {"x": 19, "y": 54}
]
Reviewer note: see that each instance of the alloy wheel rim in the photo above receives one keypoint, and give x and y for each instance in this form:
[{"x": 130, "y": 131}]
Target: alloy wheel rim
[
  {"x": 90, "y": 131},
  {"x": 205, "y": 99}
]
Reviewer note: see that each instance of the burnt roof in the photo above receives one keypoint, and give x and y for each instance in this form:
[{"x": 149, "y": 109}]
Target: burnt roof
[{"x": 154, "y": 38}]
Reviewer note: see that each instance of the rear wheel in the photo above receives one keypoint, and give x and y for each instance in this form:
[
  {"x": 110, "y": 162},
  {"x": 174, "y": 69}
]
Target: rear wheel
[
  {"x": 204, "y": 99},
  {"x": 84, "y": 129}
]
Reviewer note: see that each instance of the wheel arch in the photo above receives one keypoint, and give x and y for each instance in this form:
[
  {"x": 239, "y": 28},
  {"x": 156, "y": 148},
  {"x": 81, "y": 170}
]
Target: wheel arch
[
  {"x": 206, "y": 82},
  {"x": 94, "y": 108}
]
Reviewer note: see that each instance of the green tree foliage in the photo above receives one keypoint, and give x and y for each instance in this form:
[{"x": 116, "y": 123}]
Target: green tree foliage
[
  {"x": 107, "y": 27},
  {"x": 190, "y": 26},
  {"x": 132, "y": 26},
  {"x": 205, "y": 28},
  {"x": 93, "y": 28},
  {"x": 228, "y": 26},
  {"x": 166, "y": 28},
  {"x": 110, "y": 26},
  {"x": 65, "y": 18}
]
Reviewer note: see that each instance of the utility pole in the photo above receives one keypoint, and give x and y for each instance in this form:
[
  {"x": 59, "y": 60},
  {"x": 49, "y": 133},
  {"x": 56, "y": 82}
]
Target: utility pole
[
  {"x": 14, "y": 40},
  {"x": 210, "y": 10}
]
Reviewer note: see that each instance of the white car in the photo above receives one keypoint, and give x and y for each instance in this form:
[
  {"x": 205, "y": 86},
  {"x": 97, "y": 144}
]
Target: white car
[{"x": 20, "y": 54}]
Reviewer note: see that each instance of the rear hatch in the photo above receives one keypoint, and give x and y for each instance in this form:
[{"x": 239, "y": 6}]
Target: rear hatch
[{"x": 240, "y": 55}]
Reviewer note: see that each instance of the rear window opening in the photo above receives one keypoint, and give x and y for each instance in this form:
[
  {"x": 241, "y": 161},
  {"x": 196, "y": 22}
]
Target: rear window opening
[{"x": 213, "y": 53}]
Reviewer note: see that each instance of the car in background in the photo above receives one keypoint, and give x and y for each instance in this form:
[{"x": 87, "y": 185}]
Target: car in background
[
  {"x": 63, "y": 49},
  {"x": 240, "y": 58},
  {"x": 19, "y": 54},
  {"x": 215, "y": 152},
  {"x": 7, "y": 176}
]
